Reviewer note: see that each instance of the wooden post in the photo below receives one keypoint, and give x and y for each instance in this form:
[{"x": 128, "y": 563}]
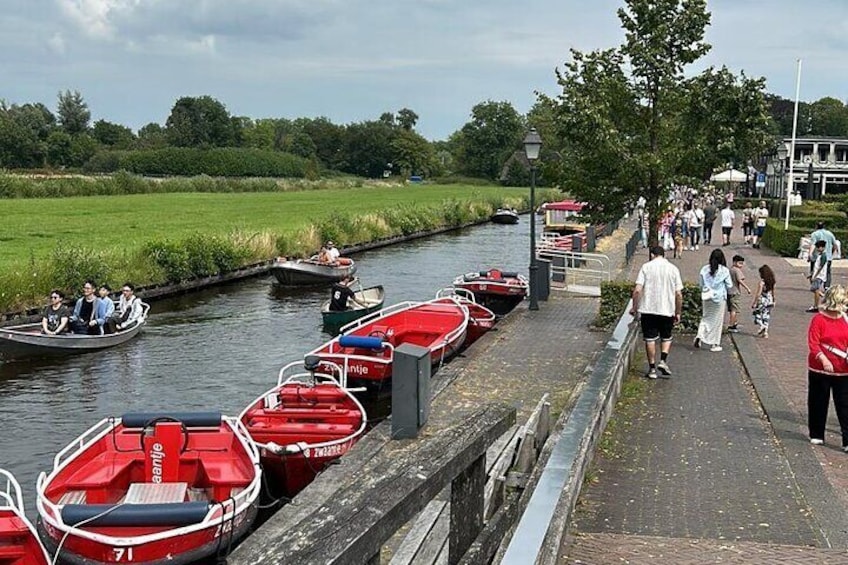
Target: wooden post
[{"x": 466, "y": 509}]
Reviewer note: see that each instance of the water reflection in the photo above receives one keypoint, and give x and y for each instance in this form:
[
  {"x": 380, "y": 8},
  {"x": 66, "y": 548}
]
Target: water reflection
[{"x": 218, "y": 348}]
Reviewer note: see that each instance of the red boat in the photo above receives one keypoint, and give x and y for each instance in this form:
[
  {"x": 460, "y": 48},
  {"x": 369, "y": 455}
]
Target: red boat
[
  {"x": 304, "y": 423},
  {"x": 500, "y": 291},
  {"x": 365, "y": 348},
  {"x": 480, "y": 318},
  {"x": 150, "y": 488},
  {"x": 19, "y": 544}
]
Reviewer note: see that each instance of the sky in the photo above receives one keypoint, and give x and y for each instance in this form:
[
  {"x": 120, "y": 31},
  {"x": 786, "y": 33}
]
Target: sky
[{"x": 352, "y": 60}]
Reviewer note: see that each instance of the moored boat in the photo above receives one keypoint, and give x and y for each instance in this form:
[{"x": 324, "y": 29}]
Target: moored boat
[
  {"x": 500, "y": 291},
  {"x": 365, "y": 348},
  {"x": 373, "y": 296},
  {"x": 26, "y": 340},
  {"x": 480, "y": 318},
  {"x": 19, "y": 543},
  {"x": 304, "y": 423},
  {"x": 504, "y": 216},
  {"x": 150, "y": 488},
  {"x": 305, "y": 272}
]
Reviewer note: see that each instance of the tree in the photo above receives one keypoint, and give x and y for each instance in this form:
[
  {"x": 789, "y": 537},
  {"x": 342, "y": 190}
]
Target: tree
[
  {"x": 151, "y": 136},
  {"x": 23, "y": 135},
  {"x": 619, "y": 131},
  {"x": 112, "y": 135},
  {"x": 829, "y": 117},
  {"x": 494, "y": 132},
  {"x": 407, "y": 119},
  {"x": 329, "y": 139},
  {"x": 73, "y": 112},
  {"x": 412, "y": 154},
  {"x": 200, "y": 122},
  {"x": 367, "y": 149}
]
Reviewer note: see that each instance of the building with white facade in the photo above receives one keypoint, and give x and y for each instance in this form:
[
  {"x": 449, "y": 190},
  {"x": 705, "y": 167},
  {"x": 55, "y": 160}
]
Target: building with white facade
[{"x": 820, "y": 166}]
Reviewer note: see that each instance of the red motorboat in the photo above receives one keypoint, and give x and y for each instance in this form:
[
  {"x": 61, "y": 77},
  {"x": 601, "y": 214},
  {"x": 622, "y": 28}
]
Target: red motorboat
[
  {"x": 150, "y": 488},
  {"x": 480, "y": 318},
  {"x": 365, "y": 348},
  {"x": 19, "y": 544},
  {"x": 500, "y": 291},
  {"x": 304, "y": 423}
]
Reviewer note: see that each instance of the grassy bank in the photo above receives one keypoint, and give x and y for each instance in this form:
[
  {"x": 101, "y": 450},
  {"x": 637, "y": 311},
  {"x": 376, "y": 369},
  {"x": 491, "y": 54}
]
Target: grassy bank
[{"x": 153, "y": 238}]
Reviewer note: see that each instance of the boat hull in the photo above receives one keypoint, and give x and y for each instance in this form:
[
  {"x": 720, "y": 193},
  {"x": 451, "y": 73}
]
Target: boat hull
[
  {"x": 500, "y": 292},
  {"x": 181, "y": 550},
  {"x": 310, "y": 273},
  {"x": 335, "y": 320},
  {"x": 504, "y": 217},
  {"x": 19, "y": 342},
  {"x": 19, "y": 542}
]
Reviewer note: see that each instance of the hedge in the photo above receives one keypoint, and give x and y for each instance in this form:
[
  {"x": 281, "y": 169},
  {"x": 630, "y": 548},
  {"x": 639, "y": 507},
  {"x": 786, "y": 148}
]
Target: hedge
[
  {"x": 616, "y": 294},
  {"x": 786, "y": 242}
]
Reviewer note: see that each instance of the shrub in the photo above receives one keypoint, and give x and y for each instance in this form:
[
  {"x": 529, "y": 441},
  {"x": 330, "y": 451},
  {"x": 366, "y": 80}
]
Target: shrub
[
  {"x": 71, "y": 266},
  {"x": 616, "y": 294}
]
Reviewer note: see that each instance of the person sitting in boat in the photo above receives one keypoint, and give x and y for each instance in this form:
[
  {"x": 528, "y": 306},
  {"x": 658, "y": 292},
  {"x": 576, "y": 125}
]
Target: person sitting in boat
[
  {"x": 89, "y": 312},
  {"x": 56, "y": 315},
  {"x": 129, "y": 309},
  {"x": 104, "y": 293},
  {"x": 341, "y": 293},
  {"x": 333, "y": 252},
  {"x": 324, "y": 256}
]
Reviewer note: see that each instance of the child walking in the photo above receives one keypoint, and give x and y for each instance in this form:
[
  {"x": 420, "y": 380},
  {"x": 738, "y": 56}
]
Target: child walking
[
  {"x": 764, "y": 301},
  {"x": 818, "y": 276},
  {"x": 734, "y": 295}
]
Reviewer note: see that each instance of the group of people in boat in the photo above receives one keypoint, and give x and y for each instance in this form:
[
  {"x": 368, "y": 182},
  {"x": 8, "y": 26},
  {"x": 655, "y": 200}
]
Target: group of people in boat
[{"x": 94, "y": 313}]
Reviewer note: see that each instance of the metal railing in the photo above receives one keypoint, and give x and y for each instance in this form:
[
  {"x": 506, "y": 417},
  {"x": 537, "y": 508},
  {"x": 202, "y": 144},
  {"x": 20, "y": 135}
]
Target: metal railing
[{"x": 576, "y": 271}]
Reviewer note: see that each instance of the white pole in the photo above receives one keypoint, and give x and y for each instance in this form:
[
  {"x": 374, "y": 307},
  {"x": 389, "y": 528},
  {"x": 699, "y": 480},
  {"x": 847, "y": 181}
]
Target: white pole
[{"x": 792, "y": 147}]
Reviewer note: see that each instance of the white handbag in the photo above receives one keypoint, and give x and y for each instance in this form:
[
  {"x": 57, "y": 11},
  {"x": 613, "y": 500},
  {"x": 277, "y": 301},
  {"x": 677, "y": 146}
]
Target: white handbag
[{"x": 707, "y": 294}]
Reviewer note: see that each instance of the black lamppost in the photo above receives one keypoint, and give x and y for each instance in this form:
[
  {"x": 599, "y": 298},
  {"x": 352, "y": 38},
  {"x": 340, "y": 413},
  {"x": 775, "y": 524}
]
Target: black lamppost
[{"x": 532, "y": 147}]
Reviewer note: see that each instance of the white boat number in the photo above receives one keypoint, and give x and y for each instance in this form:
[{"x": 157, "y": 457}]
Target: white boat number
[{"x": 123, "y": 554}]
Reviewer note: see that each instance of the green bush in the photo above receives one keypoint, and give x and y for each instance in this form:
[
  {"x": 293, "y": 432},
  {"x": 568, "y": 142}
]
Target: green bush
[
  {"x": 196, "y": 256},
  {"x": 72, "y": 266},
  {"x": 616, "y": 294}
]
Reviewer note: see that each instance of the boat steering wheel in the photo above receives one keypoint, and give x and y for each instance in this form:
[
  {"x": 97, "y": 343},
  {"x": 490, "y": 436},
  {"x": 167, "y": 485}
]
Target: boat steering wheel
[
  {"x": 381, "y": 334},
  {"x": 152, "y": 423}
]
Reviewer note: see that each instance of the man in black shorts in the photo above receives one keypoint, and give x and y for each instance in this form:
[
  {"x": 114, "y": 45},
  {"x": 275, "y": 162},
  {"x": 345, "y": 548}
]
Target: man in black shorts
[{"x": 658, "y": 300}]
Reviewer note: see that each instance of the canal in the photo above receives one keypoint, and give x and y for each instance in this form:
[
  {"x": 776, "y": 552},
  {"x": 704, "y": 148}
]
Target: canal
[{"x": 219, "y": 348}]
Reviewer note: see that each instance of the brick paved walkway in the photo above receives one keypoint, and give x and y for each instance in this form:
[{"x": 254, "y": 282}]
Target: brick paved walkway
[{"x": 717, "y": 466}]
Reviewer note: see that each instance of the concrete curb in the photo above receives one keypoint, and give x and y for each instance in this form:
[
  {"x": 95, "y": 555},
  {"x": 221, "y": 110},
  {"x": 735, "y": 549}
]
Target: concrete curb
[
  {"x": 542, "y": 527},
  {"x": 819, "y": 494}
]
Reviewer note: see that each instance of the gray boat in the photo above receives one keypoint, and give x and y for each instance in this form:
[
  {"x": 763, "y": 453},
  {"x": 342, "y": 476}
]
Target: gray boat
[
  {"x": 304, "y": 272},
  {"x": 26, "y": 340}
]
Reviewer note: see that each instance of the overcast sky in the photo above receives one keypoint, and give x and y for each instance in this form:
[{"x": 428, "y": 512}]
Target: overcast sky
[{"x": 351, "y": 60}]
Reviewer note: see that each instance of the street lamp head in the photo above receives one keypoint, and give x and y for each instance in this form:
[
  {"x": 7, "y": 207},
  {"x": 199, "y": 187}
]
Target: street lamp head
[
  {"x": 532, "y": 145},
  {"x": 782, "y": 152}
]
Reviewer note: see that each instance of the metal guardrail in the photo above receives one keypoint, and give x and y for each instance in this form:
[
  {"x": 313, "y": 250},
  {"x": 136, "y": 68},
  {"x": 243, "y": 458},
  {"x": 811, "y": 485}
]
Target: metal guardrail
[
  {"x": 577, "y": 271},
  {"x": 631, "y": 246}
]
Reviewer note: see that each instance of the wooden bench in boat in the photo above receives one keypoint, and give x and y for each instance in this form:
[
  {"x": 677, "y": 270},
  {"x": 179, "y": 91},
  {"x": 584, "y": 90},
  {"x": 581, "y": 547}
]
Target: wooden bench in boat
[{"x": 225, "y": 475}]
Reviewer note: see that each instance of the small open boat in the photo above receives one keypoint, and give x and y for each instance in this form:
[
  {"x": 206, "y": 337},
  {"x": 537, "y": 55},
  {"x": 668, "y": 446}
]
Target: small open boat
[
  {"x": 504, "y": 216},
  {"x": 26, "y": 340},
  {"x": 19, "y": 544},
  {"x": 304, "y": 272},
  {"x": 365, "y": 348},
  {"x": 150, "y": 488},
  {"x": 500, "y": 291},
  {"x": 374, "y": 296},
  {"x": 480, "y": 318},
  {"x": 304, "y": 423}
]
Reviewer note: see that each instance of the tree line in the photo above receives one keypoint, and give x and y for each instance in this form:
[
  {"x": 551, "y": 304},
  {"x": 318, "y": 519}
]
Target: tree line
[{"x": 625, "y": 117}]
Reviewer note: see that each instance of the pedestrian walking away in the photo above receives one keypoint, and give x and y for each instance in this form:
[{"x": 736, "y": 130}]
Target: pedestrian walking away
[
  {"x": 715, "y": 282},
  {"x": 658, "y": 301},
  {"x": 818, "y": 276},
  {"x": 827, "y": 364},
  {"x": 728, "y": 216},
  {"x": 710, "y": 213},
  {"x": 764, "y": 300}
]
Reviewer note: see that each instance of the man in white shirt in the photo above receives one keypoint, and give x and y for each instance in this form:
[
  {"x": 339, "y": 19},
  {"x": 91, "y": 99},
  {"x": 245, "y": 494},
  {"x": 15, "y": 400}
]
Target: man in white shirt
[
  {"x": 696, "y": 225},
  {"x": 332, "y": 252},
  {"x": 658, "y": 299},
  {"x": 728, "y": 216},
  {"x": 761, "y": 214}
]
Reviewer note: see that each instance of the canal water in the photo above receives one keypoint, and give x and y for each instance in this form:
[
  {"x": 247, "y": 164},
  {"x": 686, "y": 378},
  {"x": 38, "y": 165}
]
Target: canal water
[{"x": 219, "y": 348}]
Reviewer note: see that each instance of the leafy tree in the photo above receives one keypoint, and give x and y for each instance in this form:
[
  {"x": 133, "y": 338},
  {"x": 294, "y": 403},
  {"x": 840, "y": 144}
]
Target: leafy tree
[
  {"x": 112, "y": 135},
  {"x": 367, "y": 149},
  {"x": 619, "y": 131},
  {"x": 151, "y": 136},
  {"x": 387, "y": 118},
  {"x": 407, "y": 119},
  {"x": 200, "y": 122},
  {"x": 260, "y": 134},
  {"x": 829, "y": 117},
  {"x": 23, "y": 135},
  {"x": 494, "y": 132},
  {"x": 73, "y": 112},
  {"x": 412, "y": 154},
  {"x": 82, "y": 148},
  {"x": 59, "y": 149},
  {"x": 302, "y": 145},
  {"x": 330, "y": 141}
]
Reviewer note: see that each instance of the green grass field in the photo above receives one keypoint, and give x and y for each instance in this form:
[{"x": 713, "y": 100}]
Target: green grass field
[{"x": 31, "y": 228}]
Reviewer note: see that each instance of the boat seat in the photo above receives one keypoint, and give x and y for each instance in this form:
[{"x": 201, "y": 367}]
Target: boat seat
[
  {"x": 73, "y": 497},
  {"x": 311, "y": 394},
  {"x": 101, "y": 471},
  {"x": 315, "y": 414},
  {"x": 307, "y": 430},
  {"x": 225, "y": 472},
  {"x": 12, "y": 527}
]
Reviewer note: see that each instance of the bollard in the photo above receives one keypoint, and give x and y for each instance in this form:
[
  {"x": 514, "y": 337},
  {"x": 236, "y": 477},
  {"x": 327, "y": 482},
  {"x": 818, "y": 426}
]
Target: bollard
[
  {"x": 558, "y": 262},
  {"x": 543, "y": 279},
  {"x": 590, "y": 238},
  {"x": 410, "y": 390}
]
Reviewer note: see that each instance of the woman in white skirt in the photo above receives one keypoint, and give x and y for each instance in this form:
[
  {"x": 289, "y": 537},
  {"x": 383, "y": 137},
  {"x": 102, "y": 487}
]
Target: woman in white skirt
[{"x": 715, "y": 282}]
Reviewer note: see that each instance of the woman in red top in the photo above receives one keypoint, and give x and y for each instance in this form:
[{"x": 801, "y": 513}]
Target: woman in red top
[{"x": 827, "y": 362}]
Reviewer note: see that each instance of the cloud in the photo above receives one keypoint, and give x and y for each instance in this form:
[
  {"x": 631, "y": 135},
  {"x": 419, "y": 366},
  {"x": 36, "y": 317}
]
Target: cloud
[{"x": 56, "y": 43}]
